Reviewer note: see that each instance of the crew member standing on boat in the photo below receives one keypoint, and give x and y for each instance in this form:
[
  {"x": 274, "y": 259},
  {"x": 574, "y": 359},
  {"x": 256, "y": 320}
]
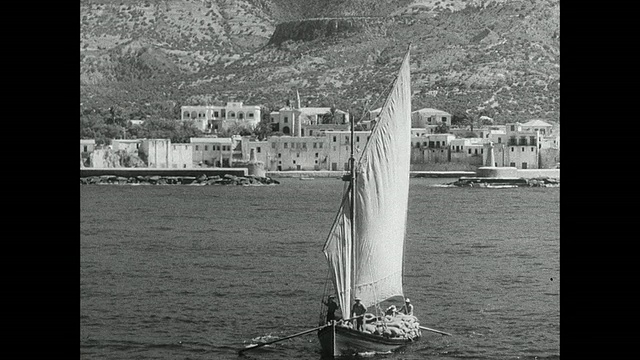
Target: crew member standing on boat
[
  {"x": 407, "y": 308},
  {"x": 358, "y": 310},
  {"x": 331, "y": 308}
]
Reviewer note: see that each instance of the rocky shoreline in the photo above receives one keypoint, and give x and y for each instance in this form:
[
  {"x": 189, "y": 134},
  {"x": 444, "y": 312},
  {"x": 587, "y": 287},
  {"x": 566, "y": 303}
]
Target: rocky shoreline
[
  {"x": 249, "y": 180},
  {"x": 506, "y": 182}
]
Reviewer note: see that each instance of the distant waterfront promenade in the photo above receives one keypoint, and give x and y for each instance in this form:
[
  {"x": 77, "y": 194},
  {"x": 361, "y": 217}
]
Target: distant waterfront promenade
[{"x": 86, "y": 172}]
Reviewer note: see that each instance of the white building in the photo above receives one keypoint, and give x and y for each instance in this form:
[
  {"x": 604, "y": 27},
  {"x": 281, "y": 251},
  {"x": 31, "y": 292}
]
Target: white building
[
  {"x": 87, "y": 146},
  {"x": 339, "y": 143},
  {"x": 213, "y": 151},
  {"x": 296, "y": 153},
  {"x": 427, "y": 116},
  {"x": 129, "y": 145},
  {"x": 160, "y": 153},
  {"x": 306, "y": 121},
  {"x": 212, "y": 118}
]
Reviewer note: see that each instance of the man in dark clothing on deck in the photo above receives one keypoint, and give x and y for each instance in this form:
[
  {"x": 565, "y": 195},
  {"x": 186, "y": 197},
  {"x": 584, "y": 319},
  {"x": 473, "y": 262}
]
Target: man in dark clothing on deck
[
  {"x": 331, "y": 308},
  {"x": 358, "y": 310}
]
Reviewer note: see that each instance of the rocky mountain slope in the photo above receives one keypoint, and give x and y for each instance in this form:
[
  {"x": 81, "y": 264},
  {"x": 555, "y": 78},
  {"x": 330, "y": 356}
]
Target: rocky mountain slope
[{"x": 495, "y": 58}]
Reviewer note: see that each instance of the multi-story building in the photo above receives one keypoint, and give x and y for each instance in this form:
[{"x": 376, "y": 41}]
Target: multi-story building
[
  {"x": 213, "y": 151},
  {"x": 339, "y": 143},
  {"x": 467, "y": 151},
  {"x": 296, "y": 153},
  {"x": 306, "y": 121},
  {"x": 160, "y": 153},
  {"x": 427, "y": 116},
  {"x": 212, "y": 118}
]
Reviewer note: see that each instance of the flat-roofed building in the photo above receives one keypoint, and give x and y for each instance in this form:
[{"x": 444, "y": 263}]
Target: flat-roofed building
[
  {"x": 87, "y": 146},
  {"x": 297, "y": 153},
  {"x": 160, "y": 153},
  {"x": 339, "y": 143},
  {"x": 211, "y": 118},
  {"x": 428, "y": 116},
  {"x": 213, "y": 151},
  {"x": 129, "y": 145},
  {"x": 307, "y": 121}
]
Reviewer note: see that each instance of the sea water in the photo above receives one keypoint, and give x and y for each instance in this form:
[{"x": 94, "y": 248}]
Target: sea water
[{"x": 198, "y": 272}]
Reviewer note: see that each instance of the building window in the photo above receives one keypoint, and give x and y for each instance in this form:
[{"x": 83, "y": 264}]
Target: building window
[
  {"x": 334, "y": 139},
  {"x": 216, "y": 114},
  {"x": 512, "y": 149},
  {"x": 315, "y": 145},
  {"x": 286, "y": 120},
  {"x": 475, "y": 151},
  {"x": 310, "y": 132},
  {"x": 316, "y": 154},
  {"x": 273, "y": 145},
  {"x": 279, "y": 155},
  {"x": 294, "y": 162},
  {"x": 321, "y": 144},
  {"x": 444, "y": 119},
  {"x": 304, "y": 145},
  {"x": 232, "y": 114},
  {"x": 513, "y": 128},
  {"x": 85, "y": 149},
  {"x": 240, "y": 115},
  {"x": 185, "y": 114},
  {"x": 499, "y": 140},
  {"x": 522, "y": 150},
  {"x": 286, "y": 145},
  {"x": 206, "y": 148},
  {"x": 297, "y": 154},
  {"x": 258, "y": 149},
  {"x": 469, "y": 151},
  {"x": 524, "y": 165},
  {"x": 532, "y": 150},
  {"x": 194, "y": 114},
  {"x": 197, "y": 147}
]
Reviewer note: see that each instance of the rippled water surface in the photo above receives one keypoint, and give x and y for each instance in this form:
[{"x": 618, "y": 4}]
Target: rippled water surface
[{"x": 191, "y": 272}]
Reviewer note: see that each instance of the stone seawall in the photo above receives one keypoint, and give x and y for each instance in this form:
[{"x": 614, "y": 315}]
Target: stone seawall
[
  {"x": 539, "y": 173},
  {"x": 195, "y": 176},
  {"x": 132, "y": 172}
]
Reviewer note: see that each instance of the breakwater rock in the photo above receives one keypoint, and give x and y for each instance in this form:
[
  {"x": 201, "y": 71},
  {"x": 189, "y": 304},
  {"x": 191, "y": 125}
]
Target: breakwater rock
[
  {"x": 496, "y": 182},
  {"x": 249, "y": 180}
]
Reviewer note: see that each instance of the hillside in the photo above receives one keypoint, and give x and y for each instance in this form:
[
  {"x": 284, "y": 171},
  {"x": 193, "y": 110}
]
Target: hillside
[{"x": 499, "y": 59}]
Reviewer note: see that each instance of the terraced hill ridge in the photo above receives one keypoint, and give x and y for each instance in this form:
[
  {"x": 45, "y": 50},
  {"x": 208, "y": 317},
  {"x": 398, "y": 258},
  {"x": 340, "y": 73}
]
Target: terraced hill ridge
[{"x": 496, "y": 58}]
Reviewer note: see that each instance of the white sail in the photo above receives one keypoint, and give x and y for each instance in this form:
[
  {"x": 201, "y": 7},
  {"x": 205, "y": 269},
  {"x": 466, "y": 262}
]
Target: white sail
[
  {"x": 370, "y": 266},
  {"x": 337, "y": 249}
]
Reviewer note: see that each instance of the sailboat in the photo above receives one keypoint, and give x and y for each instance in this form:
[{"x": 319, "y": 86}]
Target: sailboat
[{"x": 365, "y": 246}]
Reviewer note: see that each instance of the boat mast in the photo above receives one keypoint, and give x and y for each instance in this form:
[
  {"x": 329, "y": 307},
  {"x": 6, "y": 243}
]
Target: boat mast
[{"x": 352, "y": 183}]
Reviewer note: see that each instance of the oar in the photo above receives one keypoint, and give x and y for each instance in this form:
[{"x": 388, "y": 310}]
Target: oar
[
  {"x": 434, "y": 330},
  {"x": 284, "y": 338}
]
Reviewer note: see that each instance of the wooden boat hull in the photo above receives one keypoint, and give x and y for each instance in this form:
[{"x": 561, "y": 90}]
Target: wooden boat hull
[{"x": 339, "y": 341}]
